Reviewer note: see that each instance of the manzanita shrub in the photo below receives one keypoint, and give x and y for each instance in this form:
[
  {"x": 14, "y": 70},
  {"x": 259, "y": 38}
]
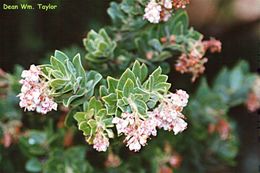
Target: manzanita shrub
[{"x": 116, "y": 99}]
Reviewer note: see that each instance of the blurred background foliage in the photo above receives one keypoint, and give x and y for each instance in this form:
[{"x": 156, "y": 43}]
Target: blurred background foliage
[{"x": 30, "y": 37}]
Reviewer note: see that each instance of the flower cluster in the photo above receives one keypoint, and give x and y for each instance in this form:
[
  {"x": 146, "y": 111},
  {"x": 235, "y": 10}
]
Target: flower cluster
[
  {"x": 253, "y": 98},
  {"x": 213, "y": 45},
  {"x": 152, "y": 12},
  {"x": 167, "y": 116},
  {"x": 35, "y": 93},
  {"x": 193, "y": 62},
  {"x": 161, "y": 10},
  {"x": 136, "y": 130},
  {"x": 180, "y": 3},
  {"x": 170, "y": 159},
  {"x": 101, "y": 142},
  {"x": 11, "y": 132},
  {"x": 222, "y": 128},
  {"x": 175, "y": 160}
]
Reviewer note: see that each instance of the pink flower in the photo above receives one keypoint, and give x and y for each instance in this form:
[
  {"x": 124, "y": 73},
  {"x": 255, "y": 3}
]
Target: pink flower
[
  {"x": 136, "y": 130},
  {"x": 252, "y": 102},
  {"x": 167, "y": 4},
  {"x": 191, "y": 64},
  {"x": 166, "y": 15},
  {"x": 175, "y": 160},
  {"x": 32, "y": 74},
  {"x": 101, "y": 142},
  {"x": 213, "y": 45},
  {"x": 35, "y": 93},
  {"x": 180, "y": 3},
  {"x": 222, "y": 127},
  {"x": 193, "y": 61},
  {"x": 168, "y": 114},
  {"x": 152, "y": 12},
  {"x": 180, "y": 98}
]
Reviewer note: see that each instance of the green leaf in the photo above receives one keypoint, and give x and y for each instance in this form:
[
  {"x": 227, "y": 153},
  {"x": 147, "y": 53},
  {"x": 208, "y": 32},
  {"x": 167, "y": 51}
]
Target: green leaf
[
  {"x": 67, "y": 101},
  {"x": 99, "y": 46},
  {"x": 157, "y": 82},
  {"x": 60, "y": 56},
  {"x": 110, "y": 103},
  {"x": 92, "y": 123},
  {"x": 58, "y": 83},
  {"x": 85, "y": 127},
  {"x": 140, "y": 71},
  {"x": 222, "y": 78},
  {"x": 79, "y": 68},
  {"x": 101, "y": 113},
  {"x": 95, "y": 104},
  {"x": 58, "y": 65},
  {"x": 103, "y": 91},
  {"x": 56, "y": 73},
  {"x": 115, "y": 13},
  {"x": 179, "y": 23},
  {"x": 112, "y": 84},
  {"x": 128, "y": 88},
  {"x": 79, "y": 116},
  {"x": 33, "y": 165},
  {"x": 141, "y": 107},
  {"x": 203, "y": 89},
  {"x": 128, "y": 74},
  {"x": 156, "y": 44},
  {"x": 69, "y": 120},
  {"x": 236, "y": 79}
]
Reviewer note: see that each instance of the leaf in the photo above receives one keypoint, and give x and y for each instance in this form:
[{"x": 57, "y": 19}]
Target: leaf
[
  {"x": 140, "y": 71},
  {"x": 85, "y": 127},
  {"x": 112, "y": 84},
  {"x": 203, "y": 89},
  {"x": 69, "y": 120},
  {"x": 79, "y": 68},
  {"x": 157, "y": 82},
  {"x": 236, "y": 79},
  {"x": 244, "y": 66},
  {"x": 55, "y": 73},
  {"x": 58, "y": 65},
  {"x": 79, "y": 116},
  {"x": 179, "y": 23},
  {"x": 110, "y": 103},
  {"x": 222, "y": 78},
  {"x": 141, "y": 107},
  {"x": 71, "y": 69},
  {"x": 128, "y": 88},
  {"x": 128, "y": 74},
  {"x": 156, "y": 44},
  {"x": 121, "y": 104},
  {"x": 101, "y": 114},
  {"x": 95, "y": 104},
  {"x": 67, "y": 101},
  {"x": 103, "y": 91},
  {"x": 57, "y": 83},
  {"x": 60, "y": 56},
  {"x": 93, "y": 78},
  {"x": 33, "y": 165},
  {"x": 115, "y": 13},
  {"x": 93, "y": 124},
  {"x": 104, "y": 35}
]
